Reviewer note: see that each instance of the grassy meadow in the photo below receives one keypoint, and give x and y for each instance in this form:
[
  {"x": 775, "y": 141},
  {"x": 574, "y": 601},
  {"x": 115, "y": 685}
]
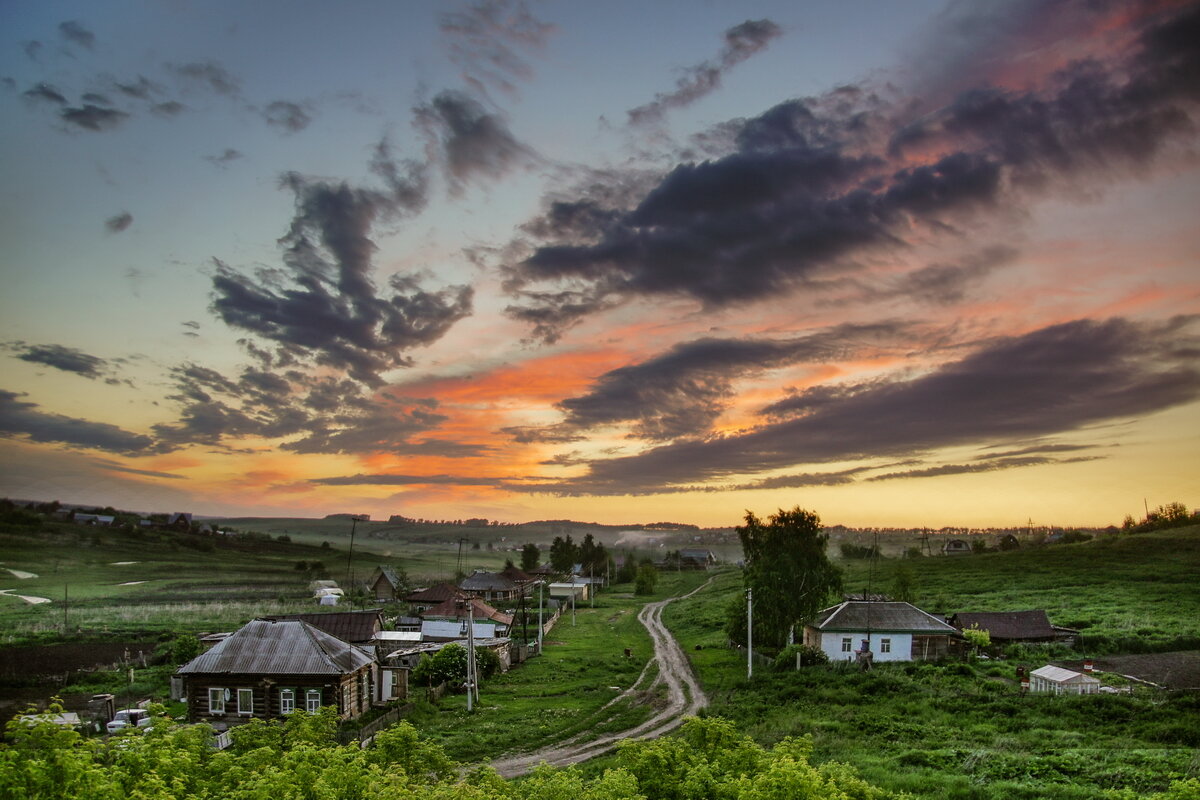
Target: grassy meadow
[{"x": 963, "y": 730}]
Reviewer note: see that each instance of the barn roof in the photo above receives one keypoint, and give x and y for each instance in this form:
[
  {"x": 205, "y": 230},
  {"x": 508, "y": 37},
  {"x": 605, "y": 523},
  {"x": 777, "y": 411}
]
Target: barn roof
[
  {"x": 349, "y": 626},
  {"x": 279, "y": 647},
  {"x": 389, "y": 575},
  {"x": 1007, "y": 625},
  {"x": 516, "y": 574},
  {"x": 856, "y": 615}
]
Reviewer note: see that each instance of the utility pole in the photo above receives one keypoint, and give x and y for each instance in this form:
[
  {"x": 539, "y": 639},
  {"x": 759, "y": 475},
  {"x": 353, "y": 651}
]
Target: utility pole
[
  {"x": 66, "y": 590},
  {"x": 540, "y": 585},
  {"x": 574, "y": 594},
  {"x": 471, "y": 677},
  {"x": 749, "y": 634},
  {"x": 350, "y": 558}
]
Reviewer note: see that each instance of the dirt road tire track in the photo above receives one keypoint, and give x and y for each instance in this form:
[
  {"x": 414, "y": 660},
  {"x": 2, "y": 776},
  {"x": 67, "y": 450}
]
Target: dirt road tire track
[{"x": 684, "y": 698}]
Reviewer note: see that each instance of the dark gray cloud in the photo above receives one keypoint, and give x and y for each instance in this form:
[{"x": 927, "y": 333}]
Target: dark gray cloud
[
  {"x": 291, "y": 117},
  {"x": 405, "y": 480},
  {"x": 323, "y": 304},
  {"x": 682, "y": 392},
  {"x": 93, "y": 118},
  {"x": 113, "y": 466},
  {"x": 141, "y": 89},
  {"x": 19, "y": 418},
  {"x": 1057, "y": 379},
  {"x": 67, "y": 359},
  {"x": 741, "y": 42},
  {"x": 119, "y": 222},
  {"x": 487, "y": 41},
  {"x": 979, "y": 466},
  {"x": 32, "y": 49},
  {"x": 818, "y": 186},
  {"x": 468, "y": 141},
  {"x": 208, "y": 74},
  {"x": 227, "y": 156},
  {"x": 75, "y": 33},
  {"x": 314, "y": 415},
  {"x": 168, "y": 108},
  {"x": 44, "y": 91}
]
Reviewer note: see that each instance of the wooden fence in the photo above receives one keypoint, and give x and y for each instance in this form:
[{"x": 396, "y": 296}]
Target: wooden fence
[{"x": 367, "y": 732}]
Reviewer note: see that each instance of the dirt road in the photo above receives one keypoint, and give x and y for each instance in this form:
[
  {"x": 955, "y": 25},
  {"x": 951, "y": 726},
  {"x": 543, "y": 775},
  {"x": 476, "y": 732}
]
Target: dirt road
[{"x": 684, "y": 698}]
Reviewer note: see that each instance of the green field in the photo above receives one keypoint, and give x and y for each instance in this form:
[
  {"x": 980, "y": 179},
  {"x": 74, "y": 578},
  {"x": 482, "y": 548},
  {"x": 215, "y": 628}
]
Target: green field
[{"x": 963, "y": 730}]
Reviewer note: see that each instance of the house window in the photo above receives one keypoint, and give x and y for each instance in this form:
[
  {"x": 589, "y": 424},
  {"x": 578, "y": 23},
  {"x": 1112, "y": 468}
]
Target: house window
[
  {"x": 246, "y": 702},
  {"x": 885, "y": 645},
  {"x": 847, "y": 643},
  {"x": 312, "y": 700},
  {"x": 287, "y": 701},
  {"x": 346, "y": 698},
  {"x": 216, "y": 701}
]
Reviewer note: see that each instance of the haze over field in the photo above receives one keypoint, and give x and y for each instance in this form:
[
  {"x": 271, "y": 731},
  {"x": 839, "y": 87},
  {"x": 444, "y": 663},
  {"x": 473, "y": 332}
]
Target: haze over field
[{"x": 906, "y": 263}]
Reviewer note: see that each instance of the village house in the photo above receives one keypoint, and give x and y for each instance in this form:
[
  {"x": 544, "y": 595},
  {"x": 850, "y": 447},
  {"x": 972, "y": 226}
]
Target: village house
[
  {"x": 269, "y": 668},
  {"x": 696, "y": 558},
  {"x": 385, "y": 585},
  {"x": 892, "y": 631},
  {"x": 449, "y": 620},
  {"x": 424, "y": 599},
  {"x": 489, "y": 586},
  {"x": 522, "y": 579},
  {"x": 1056, "y": 680}
]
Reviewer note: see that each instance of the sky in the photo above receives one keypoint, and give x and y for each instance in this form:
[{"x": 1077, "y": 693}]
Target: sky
[{"x": 902, "y": 264}]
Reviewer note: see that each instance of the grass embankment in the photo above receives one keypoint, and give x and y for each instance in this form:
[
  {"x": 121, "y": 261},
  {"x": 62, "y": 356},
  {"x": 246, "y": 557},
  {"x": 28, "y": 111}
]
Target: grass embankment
[
  {"x": 1125, "y": 594},
  {"x": 565, "y": 691},
  {"x": 957, "y": 730}
]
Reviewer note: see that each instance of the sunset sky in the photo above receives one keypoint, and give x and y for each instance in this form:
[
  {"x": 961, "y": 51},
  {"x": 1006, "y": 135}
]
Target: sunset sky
[{"x": 900, "y": 263}]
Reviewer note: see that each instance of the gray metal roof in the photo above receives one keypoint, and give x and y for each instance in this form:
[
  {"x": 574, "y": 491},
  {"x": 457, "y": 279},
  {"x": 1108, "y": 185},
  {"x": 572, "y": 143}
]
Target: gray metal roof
[
  {"x": 280, "y": 647},
  {"x": 482, "y": 581},
  {"x": 856, "y": 615}
]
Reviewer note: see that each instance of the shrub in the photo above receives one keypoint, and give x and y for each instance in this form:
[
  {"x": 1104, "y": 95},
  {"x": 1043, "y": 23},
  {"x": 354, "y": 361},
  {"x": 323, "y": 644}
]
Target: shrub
[{"x": 808, "y": 656}]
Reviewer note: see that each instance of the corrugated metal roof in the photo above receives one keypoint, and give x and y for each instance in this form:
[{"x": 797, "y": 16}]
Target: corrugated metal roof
[
  {"x": 349, "y": 626},
  {"x": 1007, "y": 624},
  {"x": 457, "y": 609},
  {"x": 279, "y": 647},
  {"x": 481, "y": 581},
  {"x": 855, "y": 615}
]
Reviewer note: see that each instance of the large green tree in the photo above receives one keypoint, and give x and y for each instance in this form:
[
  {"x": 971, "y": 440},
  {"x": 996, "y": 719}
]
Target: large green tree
[
  {"x": 788, "y": 571},
  {"x": 530, "y": 557}
]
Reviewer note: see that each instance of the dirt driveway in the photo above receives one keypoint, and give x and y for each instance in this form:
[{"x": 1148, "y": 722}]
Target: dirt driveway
[{"x": 684, "y": 698}]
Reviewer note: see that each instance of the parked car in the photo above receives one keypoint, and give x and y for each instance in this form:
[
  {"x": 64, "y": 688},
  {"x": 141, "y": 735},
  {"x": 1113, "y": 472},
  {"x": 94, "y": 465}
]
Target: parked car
[{"x": 129, "y": 717}]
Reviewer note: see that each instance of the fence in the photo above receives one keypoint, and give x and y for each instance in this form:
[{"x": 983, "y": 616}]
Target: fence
[{"x": 368, "y": 731}]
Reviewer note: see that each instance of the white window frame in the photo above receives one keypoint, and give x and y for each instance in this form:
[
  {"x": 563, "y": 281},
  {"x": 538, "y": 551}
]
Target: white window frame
[
  {"x": 287, "y": 701},
  {"x": 885, "y": 645},
  {"x": 245, "y": 709},
  {"x": 847, "y": 644},
  {"x": 310, "y": 696},
  {"x": 216, "y": 700}
]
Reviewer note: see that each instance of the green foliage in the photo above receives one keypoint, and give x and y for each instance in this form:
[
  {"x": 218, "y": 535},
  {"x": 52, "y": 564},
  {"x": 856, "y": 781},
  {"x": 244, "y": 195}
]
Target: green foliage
[
  {"x": 448, "y": 665},
  {"x": 788, "y": 571},
  {"x": 564, "y": 554},
  {"x": 978, "y": 639},
  {"x": 184, "y": 648},
  {"x": 530, "y": 557},
  {"x": 647, "y": 577},
  {"x": 851, "y": 550},
  {"x": 905, "y": 586},
  {"x": 809, "y": 656}
]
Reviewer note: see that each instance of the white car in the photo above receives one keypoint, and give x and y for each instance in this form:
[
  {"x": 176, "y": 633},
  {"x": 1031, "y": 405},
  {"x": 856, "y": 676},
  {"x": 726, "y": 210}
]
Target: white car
[{"x": 129, "y": 717}]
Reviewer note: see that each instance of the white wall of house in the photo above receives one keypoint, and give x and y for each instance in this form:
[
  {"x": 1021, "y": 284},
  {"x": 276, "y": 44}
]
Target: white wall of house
[{"x": 886, "y": 646}]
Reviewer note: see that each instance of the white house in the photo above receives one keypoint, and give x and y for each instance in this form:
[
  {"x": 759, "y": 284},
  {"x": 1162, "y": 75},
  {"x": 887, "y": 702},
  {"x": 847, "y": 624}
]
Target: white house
[
  {"x": 892, "y": 631},
  {"x": 1056, "y": 680}
]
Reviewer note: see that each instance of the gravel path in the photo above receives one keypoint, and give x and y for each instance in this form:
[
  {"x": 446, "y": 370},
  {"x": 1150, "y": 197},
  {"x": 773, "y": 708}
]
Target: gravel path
[{"x": 684, "y": 698}]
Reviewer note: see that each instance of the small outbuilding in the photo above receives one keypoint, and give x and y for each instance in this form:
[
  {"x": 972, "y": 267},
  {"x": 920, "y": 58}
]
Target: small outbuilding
[
  {"x": 1056, "y": 680},
  {"x": 489, "y": 586},
  {"x": 956, "y": 547},
  {"x": 385, "y": 585}
]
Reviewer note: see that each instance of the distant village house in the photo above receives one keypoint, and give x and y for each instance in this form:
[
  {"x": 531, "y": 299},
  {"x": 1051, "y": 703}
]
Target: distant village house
[{"x": 892, "y": 631}]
